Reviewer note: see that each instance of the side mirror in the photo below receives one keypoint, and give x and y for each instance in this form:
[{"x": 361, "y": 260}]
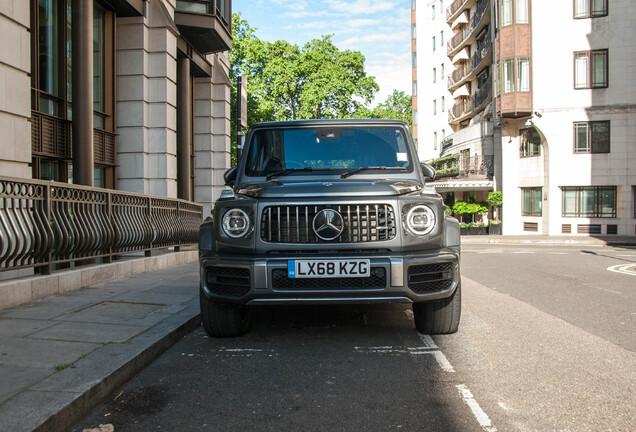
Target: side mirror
[
  {"x": 428, "y": 171},
  {"x": 230, "y": 176}
]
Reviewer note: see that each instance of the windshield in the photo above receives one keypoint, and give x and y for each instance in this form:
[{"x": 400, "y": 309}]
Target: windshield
[{"x": 325, "y": 148}]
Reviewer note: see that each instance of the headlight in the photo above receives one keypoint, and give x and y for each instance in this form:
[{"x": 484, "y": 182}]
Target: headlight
[
  {"x": 420, "y": 220},
  {"x": 236, "y": 223}
]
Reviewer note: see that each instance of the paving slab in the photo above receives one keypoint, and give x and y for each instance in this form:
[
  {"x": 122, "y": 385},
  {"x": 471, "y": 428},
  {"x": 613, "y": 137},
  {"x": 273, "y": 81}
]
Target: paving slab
[{"x": 61, "y": 356}]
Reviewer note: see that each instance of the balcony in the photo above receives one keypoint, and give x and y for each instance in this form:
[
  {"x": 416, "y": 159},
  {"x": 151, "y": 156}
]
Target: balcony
[
  {"x": 465, "y": 108},
  {"x": 453, "y": 11},
  {"x": 467, "y": 35},
  {"x": 205, "y": 24},
  {"x": 468, "y": 71}
]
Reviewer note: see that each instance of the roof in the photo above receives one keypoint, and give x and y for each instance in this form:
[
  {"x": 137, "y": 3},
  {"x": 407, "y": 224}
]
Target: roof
[{"x": 324, "y": 122}]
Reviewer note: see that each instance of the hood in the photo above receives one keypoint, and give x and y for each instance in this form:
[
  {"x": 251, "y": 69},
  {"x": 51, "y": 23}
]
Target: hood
[{"x": 335, "y": 188}]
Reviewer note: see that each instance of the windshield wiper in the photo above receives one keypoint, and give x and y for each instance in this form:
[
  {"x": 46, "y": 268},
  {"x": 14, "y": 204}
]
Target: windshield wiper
[
  {"x": 360, "y": 169},
  {"x": 292, "y": 170}
]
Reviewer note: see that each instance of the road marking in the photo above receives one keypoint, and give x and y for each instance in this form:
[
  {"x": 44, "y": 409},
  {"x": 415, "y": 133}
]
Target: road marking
[
  {"x": 629, "y": 269},
  {"x": 480, "y": 415},
  {"x": 437, "y": 354}
]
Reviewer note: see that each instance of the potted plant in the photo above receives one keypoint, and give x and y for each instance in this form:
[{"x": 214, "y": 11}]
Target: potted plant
[
  {"x": 494, "y": 228},
  {"x": 495, "y": 199},
  {"x": 470, "y": 209}
]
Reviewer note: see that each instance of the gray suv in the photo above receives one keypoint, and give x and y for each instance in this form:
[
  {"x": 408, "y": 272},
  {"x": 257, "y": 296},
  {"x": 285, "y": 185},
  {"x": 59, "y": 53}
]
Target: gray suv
[{"x": 324, "y": 212}]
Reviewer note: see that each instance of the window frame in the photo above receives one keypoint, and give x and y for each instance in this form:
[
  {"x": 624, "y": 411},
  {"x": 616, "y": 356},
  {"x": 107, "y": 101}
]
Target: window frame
[
  {"x": 519, "y": 62},
  {"x": 590, "y": 69},
  {"x": 507, "y": 13},
  {"x": 593, "y": 146},
  {"x": 580, "y": 193},
  {"x": 590, "y": 13},
  {"x": 536, "y": 197},
  {"x": 527, "y": 148}
]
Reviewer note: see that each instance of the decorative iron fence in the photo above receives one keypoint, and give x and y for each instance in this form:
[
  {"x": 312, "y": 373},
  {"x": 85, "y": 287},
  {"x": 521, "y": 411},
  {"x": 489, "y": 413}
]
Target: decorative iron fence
[{"x": 44, "y": 223}]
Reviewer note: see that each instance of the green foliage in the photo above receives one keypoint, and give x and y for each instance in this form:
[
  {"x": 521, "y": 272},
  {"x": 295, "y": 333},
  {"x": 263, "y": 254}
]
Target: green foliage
[
  {"x": 398, "y": 106},
  {"x": 495, "y": 198},
  {"x": 288, "y": 82},
  {"x": 461, "y": 207},
  {"x": 444, "y": 161},
  {"x": 451, "y": 170}
]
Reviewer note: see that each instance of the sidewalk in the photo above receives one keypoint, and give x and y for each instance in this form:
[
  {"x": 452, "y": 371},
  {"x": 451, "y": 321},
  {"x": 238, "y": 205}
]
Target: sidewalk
[
  {"x": 611, "y": 240},
  {"x": 62, "y": 355}
]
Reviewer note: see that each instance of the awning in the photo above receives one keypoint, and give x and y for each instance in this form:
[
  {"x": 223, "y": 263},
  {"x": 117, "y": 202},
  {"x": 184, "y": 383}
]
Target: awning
[
  {"x": 462, "y": 55},
  {"x": 446, "y": 186},
  {"x": 463, "y": 91},
  {"x": 462, "y": 19}
]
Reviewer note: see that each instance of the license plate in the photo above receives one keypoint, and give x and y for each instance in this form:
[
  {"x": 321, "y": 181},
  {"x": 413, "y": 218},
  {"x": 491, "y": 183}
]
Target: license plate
[{"x": 328, "y": 268}]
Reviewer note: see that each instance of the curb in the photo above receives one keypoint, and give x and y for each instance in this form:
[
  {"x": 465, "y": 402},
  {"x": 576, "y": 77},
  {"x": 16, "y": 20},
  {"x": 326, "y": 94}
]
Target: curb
[{"x": 78, "y": 390}]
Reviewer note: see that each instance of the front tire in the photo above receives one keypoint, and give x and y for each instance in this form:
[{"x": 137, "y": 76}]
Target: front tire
[
  {"x": 439, "y": 316},
  {"x": 223, "y": 319}
]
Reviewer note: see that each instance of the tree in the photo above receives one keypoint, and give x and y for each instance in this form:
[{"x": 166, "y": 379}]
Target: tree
[
  {"x": 286, "y": 82},
  {"x": 397, "y": 106}
]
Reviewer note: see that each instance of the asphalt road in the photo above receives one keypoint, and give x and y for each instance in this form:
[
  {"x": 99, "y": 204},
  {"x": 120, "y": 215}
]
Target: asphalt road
[{"x": 525, "y": 359}]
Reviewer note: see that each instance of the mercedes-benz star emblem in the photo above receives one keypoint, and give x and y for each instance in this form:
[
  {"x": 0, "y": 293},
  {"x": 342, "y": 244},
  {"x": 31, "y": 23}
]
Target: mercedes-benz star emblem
[{"x": 328, "y": 224}]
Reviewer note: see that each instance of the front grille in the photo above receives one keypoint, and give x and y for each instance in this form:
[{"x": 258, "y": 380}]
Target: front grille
[
  {"x": 362, "y": 223},
  {"x": 377, "y": 280},
  {"x": 228, "y": 281},
  {"x": 429, "y": 278}
]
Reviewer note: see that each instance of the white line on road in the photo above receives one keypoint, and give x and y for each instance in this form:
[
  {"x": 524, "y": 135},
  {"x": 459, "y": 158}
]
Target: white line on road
[
  {"x": 437, "y": 354},
  {"x": 628, "y": 269},
  {"x": 480, "y": 415}
]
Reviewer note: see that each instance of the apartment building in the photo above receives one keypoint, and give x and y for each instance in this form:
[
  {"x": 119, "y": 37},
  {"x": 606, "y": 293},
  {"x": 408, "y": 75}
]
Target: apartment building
[
  {"x": 122, "y": 94},
  {"x": 454, "y": 110},
  {"x": 566, "y": 105}
]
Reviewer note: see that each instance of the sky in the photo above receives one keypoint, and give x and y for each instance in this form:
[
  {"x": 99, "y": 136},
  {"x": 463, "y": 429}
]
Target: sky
[{"x": 379, "y": 29}]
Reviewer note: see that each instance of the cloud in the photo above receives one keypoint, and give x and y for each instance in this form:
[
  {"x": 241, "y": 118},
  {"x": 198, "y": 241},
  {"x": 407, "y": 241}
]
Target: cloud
[{"x": 361, "y": 7}]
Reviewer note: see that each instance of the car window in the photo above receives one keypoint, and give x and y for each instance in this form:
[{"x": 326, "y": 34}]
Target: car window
[{"x": 344, "y": 148}]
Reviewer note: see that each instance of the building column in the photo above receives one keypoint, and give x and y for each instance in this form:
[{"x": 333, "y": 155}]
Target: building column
[
  {"x": 184, "y": 129},
  {"x": 82, "y": 93}
]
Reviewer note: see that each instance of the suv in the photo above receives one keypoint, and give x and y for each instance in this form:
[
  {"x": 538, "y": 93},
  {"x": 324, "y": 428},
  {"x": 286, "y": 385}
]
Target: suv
[{"x": 329, "y": 211}]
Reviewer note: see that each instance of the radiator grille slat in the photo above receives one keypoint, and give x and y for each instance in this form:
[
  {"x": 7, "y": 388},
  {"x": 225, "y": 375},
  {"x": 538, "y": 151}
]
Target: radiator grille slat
[{"x": 362, "y": 223}]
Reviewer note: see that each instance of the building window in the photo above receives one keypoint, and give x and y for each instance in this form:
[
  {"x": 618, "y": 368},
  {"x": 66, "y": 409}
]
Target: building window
[
  {"x": 443, "y": 133},
  {"x": 443, "y": 103},
  {"x": 590, "y": 69},
  {"x": 434, "y": 140},
  {"x": 506, "y": 12},
  {"x": 434, "y": 46},
  {"x": 414, "y": 88},
  {"x": 414, "y": 31},
  {"x": 441, "y": 71},
  {"x": 433, "y": 12},
  {"x": 589, "y": 201},
  {"x": 532, "y": 201},
  {"x": 498, "y": 82},
  {"x": 441, "y": 38},
  {"x": 413, "y": 4},
  {"x": 441, "y": 7},
  {"x": 523, "y": 75},
  {"x": 508, "y": 76},
  {"x": 414, "y": 117},
  {"x": 522, "y": 12},
  {"x": 530, "y": 143},
  {"x": 414, "y": 59},
  {"x": 434, "y": 106},
  {"x": 592, "y": 137},
  {"x": 590, "y": 8},
  {"x": 434, "y": 75}
]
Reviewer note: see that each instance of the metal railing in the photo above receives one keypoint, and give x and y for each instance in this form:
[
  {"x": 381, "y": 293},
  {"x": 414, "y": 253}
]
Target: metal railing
[
  {"x": 43, "y": 224},
  {"x": 465, "y": 33}
]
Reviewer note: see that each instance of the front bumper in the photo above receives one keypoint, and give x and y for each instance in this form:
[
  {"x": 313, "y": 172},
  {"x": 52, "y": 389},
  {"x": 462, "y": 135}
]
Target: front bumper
[{"x": 394, "y": 278}]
